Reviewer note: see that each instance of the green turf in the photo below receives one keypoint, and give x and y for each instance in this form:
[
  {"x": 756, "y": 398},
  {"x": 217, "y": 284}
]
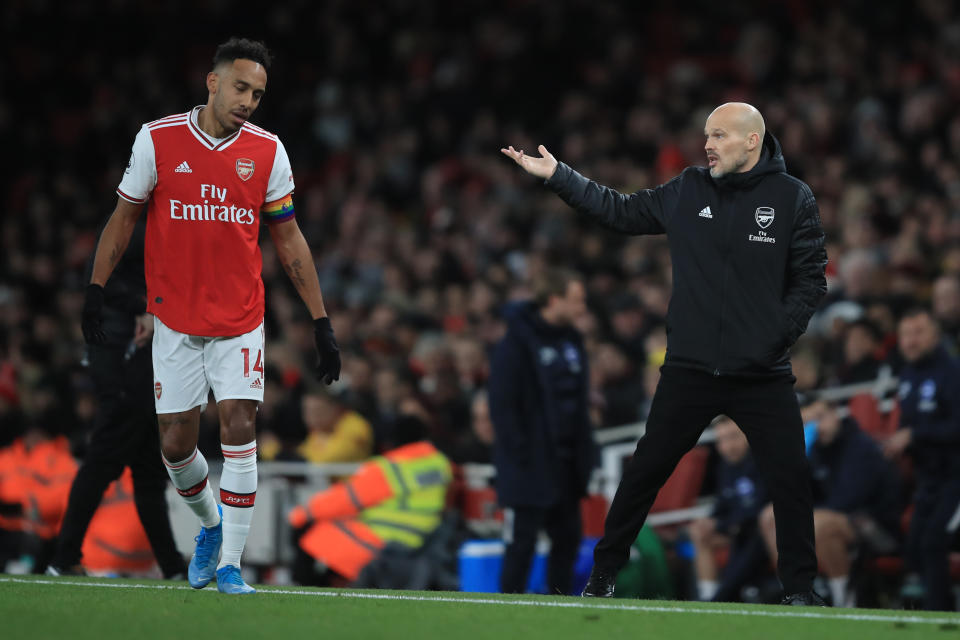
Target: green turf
[{"x": 37, "y": 607}]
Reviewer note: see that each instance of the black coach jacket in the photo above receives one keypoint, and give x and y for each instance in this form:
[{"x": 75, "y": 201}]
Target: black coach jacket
[{"x": 747, "y": 253}]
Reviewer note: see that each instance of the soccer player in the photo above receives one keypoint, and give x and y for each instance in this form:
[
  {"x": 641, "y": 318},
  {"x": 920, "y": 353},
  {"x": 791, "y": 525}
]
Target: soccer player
[{"x": 209, "y": 177}]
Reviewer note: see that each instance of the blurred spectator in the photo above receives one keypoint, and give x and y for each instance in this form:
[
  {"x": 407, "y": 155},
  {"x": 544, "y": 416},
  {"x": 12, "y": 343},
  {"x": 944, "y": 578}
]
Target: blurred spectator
[
  {"x": 390, "y": 507},
  {"x": 543, "y": 448},
  {"x": 619, "y": 383},
  {"x": 856, "y": 496},
  {"x": 861, "y": 343},
  {"x": 946, "y": 309},
  {"x": 478, "y": 447},
  {"x": 930, "y": 432},
  {"x": 733, "y": 521},
  {"x": 335, "y": 433}
]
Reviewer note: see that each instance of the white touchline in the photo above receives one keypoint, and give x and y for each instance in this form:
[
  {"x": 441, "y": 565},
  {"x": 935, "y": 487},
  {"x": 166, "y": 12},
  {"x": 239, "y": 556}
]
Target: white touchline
[{"x": 563, "y": 604}]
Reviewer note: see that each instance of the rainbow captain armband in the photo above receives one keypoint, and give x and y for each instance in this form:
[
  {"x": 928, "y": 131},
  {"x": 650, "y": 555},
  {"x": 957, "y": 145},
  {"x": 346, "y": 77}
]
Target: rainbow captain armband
[{"x": 279, "y": 210}]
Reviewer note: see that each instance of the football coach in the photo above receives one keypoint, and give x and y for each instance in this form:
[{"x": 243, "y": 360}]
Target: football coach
[{"x": 748, "y": 261}]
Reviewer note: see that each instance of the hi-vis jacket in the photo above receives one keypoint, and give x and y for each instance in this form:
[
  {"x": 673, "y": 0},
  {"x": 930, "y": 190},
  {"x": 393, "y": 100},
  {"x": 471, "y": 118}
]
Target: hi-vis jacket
[{"x": 398, "y": 497}]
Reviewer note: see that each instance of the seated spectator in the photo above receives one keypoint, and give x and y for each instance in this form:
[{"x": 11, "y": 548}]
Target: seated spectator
[
  {"x": 477, "y": 446},
  {"x": 733, "y": 522},
  {"x": 393, "y": 502},
  {"x": 621, "y": 388},
  {"x": 334, "y": 432},
  {"x": 862, "y": 341},
  {"x": 856, "y": 498}
]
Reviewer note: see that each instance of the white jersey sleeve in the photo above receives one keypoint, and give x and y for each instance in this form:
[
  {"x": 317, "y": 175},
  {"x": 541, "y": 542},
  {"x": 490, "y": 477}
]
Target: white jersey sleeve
[
  {"x": 281, "y": 175},
  {"x": 140, "y": 176}
]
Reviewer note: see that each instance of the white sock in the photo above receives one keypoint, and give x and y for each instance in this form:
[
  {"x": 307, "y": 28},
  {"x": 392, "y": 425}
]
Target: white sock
[
  {"x": 238, "y": 491},
  {"x": 838, "y": 590},
  {"x": 190, "y": 479},
  {"x": 706, "y": 589}
]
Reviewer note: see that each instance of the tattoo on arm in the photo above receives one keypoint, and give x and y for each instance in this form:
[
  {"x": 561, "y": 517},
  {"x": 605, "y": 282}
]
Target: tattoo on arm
[
  {"x": 114, "y": 256},
  {"x": 293, "y": 270}
]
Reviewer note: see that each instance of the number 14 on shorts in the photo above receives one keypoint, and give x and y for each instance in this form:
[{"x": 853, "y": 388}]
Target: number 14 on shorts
[{"x": 257, "y": 365}]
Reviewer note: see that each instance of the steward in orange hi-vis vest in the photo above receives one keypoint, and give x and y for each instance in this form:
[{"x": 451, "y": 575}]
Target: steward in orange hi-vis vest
[
  {"x": 37, "y": 475},
  {"x": 397, "y": 497}
]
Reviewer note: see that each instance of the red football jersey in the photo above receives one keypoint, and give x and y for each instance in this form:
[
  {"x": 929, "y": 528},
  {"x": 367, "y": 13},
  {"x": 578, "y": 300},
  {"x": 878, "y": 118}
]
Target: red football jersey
[{"x": 202, "y": 259}]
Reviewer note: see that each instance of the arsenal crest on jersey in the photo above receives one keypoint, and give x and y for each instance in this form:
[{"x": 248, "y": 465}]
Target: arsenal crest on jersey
[
  {"x": 245, "y": 168},
  {"x": 158, "y": 389}
]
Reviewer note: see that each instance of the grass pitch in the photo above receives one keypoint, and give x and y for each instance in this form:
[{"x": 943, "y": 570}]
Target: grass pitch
[{"x": 34, "y": 607}]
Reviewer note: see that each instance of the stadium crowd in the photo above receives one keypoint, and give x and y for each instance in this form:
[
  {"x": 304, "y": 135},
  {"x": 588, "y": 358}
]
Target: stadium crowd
[{"x": 393, "y": 113}]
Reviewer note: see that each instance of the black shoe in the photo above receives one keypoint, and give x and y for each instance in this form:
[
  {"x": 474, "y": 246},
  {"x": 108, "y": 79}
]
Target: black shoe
[
  {"x": 600, "y": 584},
  {"x": 804, "y": 599}
]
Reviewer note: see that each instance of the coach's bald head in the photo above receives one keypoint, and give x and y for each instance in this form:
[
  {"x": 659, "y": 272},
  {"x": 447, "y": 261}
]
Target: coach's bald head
[{"x": 734, "y": 133}]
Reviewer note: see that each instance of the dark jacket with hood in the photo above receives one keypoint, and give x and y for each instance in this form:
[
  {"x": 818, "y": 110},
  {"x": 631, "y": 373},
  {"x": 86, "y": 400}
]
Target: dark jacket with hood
[
  {"x": 748, "y": 258},
  {"x": 543, "y": 449}
]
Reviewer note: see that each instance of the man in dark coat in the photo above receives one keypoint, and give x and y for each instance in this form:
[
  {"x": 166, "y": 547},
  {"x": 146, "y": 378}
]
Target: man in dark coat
[
  {"x": 930, "y": 432},
  {"x": 125, "y": 429},
  {"x": 543, "y": 450},
  {"x": 748, "y": 260}
]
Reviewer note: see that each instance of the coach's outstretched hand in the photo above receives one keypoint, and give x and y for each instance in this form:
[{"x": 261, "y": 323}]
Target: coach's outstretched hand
[
  {"x": 542, "y": 167},
  {"x": 91, "y": 321},
  {"x": 328, "y": 369}
]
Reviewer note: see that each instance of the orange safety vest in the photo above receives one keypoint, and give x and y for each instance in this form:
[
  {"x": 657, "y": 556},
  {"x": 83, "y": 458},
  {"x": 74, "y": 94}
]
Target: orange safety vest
[
  {"x": 397, "y": 497},
  {"x": 116, "y": 541},
  {"x": 39, "y": 478}
]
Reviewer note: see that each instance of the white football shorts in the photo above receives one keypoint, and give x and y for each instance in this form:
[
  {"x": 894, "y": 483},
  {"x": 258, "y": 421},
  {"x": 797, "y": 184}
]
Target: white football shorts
[{"x": 186, "y": 368}]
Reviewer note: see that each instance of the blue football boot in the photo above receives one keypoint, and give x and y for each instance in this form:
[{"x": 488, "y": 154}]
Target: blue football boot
[
  {"x": 229, "y": 580},
  {"x": 203, "y": 564}
]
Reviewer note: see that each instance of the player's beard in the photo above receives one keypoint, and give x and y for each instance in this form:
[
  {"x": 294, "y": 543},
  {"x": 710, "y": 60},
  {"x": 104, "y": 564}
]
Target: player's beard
[{"x": 222, "y": 114}]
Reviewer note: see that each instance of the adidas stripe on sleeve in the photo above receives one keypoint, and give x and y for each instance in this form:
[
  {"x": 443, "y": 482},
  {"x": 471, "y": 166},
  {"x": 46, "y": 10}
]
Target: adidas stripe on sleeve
[{"x": 140, "y": 176}]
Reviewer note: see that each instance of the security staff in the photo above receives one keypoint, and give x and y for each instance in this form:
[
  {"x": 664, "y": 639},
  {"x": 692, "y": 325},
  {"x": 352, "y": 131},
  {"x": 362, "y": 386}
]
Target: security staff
[
  {"x": 125, "y": 428},
  {"x": 930, "y": 431},
  {"x": 397, "y": 498},
  {"x": 748, "y": 261}
]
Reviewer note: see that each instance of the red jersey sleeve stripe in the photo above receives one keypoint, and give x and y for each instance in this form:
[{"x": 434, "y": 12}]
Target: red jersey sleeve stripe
[{"x": 131, "y": 198}]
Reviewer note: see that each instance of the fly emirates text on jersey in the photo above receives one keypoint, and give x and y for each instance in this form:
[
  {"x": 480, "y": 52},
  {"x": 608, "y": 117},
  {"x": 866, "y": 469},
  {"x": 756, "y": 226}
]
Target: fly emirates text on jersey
[{"x": 211, "y": 210}]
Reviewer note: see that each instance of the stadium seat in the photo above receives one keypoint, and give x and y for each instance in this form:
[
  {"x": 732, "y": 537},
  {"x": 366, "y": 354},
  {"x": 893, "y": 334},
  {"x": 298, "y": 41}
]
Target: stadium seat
[
  {"x": 593, "y": 511},
  {"x": 683, "y": 486},
  {"x": 865, "y": 410}
]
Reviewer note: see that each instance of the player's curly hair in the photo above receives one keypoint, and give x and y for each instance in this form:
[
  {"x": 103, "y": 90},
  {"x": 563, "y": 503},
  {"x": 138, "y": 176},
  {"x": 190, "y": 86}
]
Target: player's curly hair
[{"x": 242, "y": 48}]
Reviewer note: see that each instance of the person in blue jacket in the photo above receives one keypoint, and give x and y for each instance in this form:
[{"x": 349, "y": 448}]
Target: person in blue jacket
[
  {"x": 543, "y": 448},
  {"x": 733, "y": 520},
  {"x": 856, "y": 497},
  {"x": 930, "y": 432}
]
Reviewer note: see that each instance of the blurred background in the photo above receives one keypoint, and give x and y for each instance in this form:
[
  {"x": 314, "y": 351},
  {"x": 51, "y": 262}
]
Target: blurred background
[{"x": 393, "y": 114}]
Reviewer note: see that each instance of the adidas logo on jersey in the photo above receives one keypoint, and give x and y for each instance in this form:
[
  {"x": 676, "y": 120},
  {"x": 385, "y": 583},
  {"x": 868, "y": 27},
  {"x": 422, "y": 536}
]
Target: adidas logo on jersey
[
  {"x": 256, "y": 384},
  {"x": 183, "y": 168},
  {"x": 705, "y": 212}
]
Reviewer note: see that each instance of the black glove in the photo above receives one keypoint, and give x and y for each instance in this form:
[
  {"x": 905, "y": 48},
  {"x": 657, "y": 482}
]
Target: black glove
[
  {"x": 328, "y": 368},
  {"x": 92, "y": 322}
]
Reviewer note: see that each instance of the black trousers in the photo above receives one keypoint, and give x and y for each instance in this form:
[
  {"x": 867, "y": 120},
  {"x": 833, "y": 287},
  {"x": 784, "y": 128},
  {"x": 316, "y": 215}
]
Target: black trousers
[
  {"x": 766, "y": 410},
  {"x": 124, "y": 434},
  {"x": 748, "y": 557},
  {"x": 562, "y": 524},
  {"x": 932, "y": 530}
]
